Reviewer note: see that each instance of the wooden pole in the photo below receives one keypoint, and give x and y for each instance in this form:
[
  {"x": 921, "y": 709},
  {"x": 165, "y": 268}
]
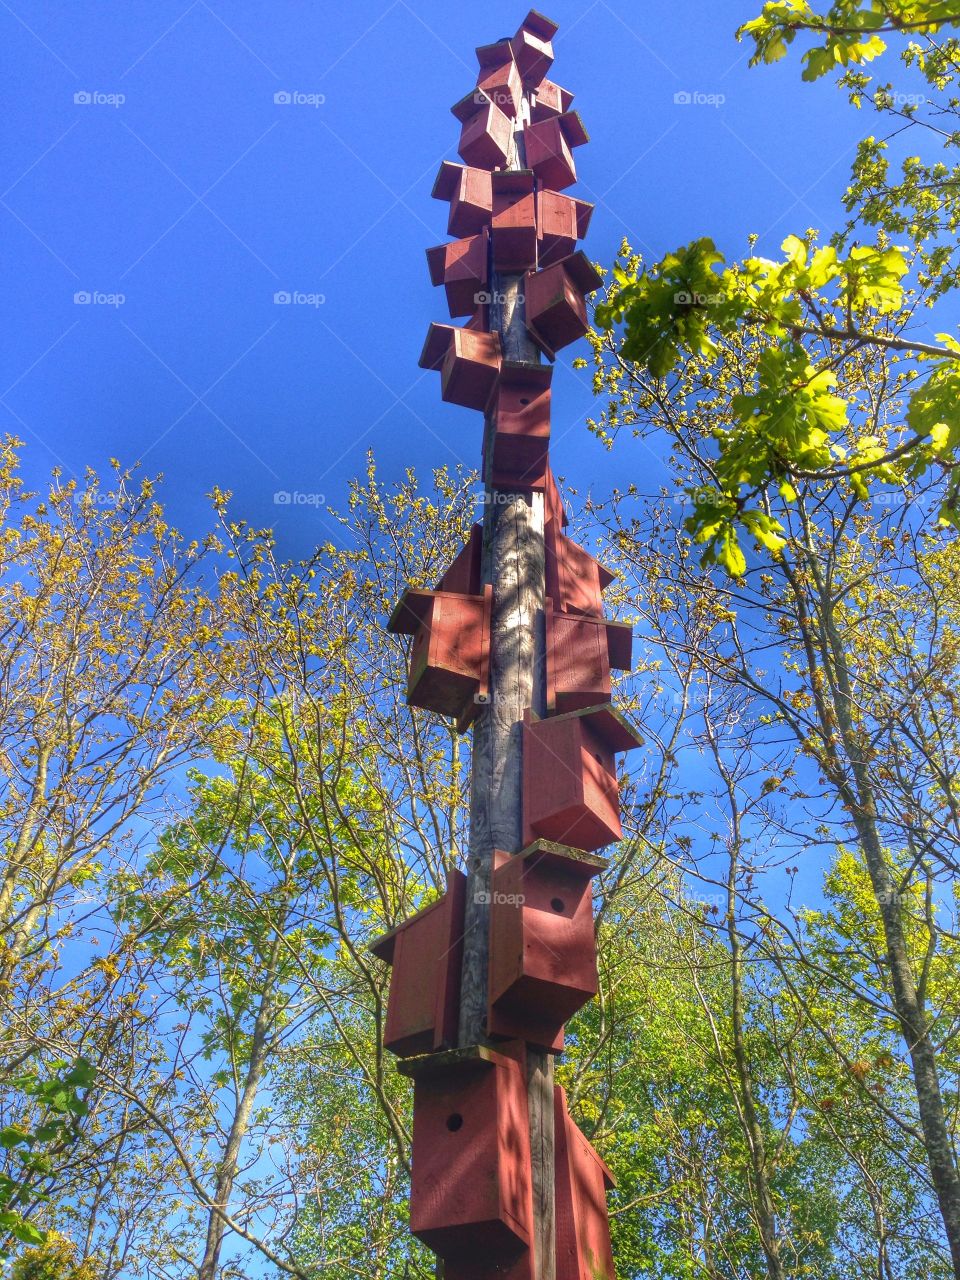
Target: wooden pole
[{"x": 513, "y": 561}]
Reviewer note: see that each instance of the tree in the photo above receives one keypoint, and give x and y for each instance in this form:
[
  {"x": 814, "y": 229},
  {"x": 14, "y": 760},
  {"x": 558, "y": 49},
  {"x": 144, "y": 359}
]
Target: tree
[{"x": 817, "y": 407}]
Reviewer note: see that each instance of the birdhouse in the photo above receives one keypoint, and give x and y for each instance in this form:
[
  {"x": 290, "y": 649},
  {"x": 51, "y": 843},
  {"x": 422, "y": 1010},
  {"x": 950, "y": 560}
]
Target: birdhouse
[
  {"x": 514, "y": 223},
  {"x": 549, "y": 147},
  {"x": 470, "y": 195},
  {"x": 499, "y": 76},
  {"x": 543, "y": 957},
  {"x": 532, "y": 46},
  {"x": 463, "y": 578},
  {"x": 561, "y": 222},
  {"x": 575, "y": 581},
  {"x": 556, "y": 313},
  {"x": 470, "y": 1189},
  {"x": 486, "y": 133},
  {"x": 580, "y": 652},
  {"x": 520, "y": 427},
  {"x": 425, "y": 954},
  {"x": 461, "y": 267},
  {"x": 582, "y": 1180},
  {"x": 468, "y": 360},
  {"x": 450, "y": 655},
  {"x": 570, "y": 789},
  {"x": 550, "y": 100}
]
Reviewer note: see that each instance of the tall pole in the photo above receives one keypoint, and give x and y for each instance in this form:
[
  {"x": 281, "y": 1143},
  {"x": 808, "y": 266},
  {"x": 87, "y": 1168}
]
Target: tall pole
[
  {"x": 513, "y": 562},
  {"x": 513, "y": 641}
]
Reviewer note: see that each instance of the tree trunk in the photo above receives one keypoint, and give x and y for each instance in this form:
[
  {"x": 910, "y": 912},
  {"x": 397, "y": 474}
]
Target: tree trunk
[
  {"x": 227, "y": 1169},
  {"x": 857, "y": 791}
]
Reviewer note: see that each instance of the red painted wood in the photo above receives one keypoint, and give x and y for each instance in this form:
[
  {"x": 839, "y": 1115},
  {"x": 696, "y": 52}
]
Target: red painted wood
[
  {"x": 469, "y": 373},
  {"x": 570, "y": 789},
  {"x": 551, "y": 100},
  {"x": 520, "y": 438},
  {"x": 486, "y": 131},
  {"x": 461, "y": 267},
  {"x": 470, "y": 1192},
  {"x": 533, "y": 48},
  {"x": 449, "y": 657},
  {"x": 425, "y": 953},
  {"x": 549, "y": 147},
  {"x": 468, "y": 360},
  {"x": 561, "y": 222},
  {"x": 470, "y": 195},
  {"x": 514, "y": 223},
  {"x": 584, "y": 1251},
  {"x": 554, "y": 513},
  {"x": 463, "y": 578},
  {"x": 500, "y": 76},
  {"x": 574, "y": 579},
  {"x": 556, "y": 312},
  {"x": 581, "y": 651},
  {"x": 543, "y": 959}
]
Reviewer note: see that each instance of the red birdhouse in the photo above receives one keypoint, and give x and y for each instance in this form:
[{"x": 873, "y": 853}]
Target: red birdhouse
[
  {"x": 570, "y": 789},
  {"x": 549, "y": 148},
  {"x": 580, "y": 652},
  {"x": 556, "y": 312},
  {"x": 543, "y": 957},
  {"x": 582, "y": 1181},
  {"x": 486, "y": 133},
  {"x": 468, "y": 360},
  {"x": 463, "y": 578},
  {"x": 514, "y": 223},
  {"x": 574, "y": 579},
  {"x": 500, "y": 76},
  {"x": 550, "y": 100},
  {"x": 425, "y": 953},
  {"x": 520, "y": 414},
  {"x": 470, "y": 195},
  {"x": 561, "y": 222},
  {"x": 461, "y": 267},
  {"x": 450, "y": 654},
  {"x": 532, "y": 46},
  {"x": 470, "y": 1190}
]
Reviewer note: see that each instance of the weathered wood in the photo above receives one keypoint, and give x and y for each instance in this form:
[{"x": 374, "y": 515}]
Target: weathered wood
[
  {"x": 513, "y": 562},
  {"x": 543, "y": 1150}
]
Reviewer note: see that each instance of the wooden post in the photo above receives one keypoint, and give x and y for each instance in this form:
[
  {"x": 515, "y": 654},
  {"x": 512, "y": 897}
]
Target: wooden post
[{"x": 513, "y": 561}]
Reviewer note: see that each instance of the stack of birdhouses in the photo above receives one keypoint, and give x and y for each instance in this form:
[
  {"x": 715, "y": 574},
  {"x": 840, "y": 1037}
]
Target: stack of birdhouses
[{"x": 471, "y": 1194}]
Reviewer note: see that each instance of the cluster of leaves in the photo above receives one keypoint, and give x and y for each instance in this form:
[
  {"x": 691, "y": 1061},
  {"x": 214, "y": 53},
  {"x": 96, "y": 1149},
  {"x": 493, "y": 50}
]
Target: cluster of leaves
[
  {"x": 789, "y": 423},
  {"x": 60, "y": 1103},
  {"x": 850, "y": 29}
]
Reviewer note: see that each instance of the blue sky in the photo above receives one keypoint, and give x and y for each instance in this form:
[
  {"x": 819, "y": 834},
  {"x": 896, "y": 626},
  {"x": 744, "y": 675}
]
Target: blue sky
[{"x": 181, "y": 185}]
